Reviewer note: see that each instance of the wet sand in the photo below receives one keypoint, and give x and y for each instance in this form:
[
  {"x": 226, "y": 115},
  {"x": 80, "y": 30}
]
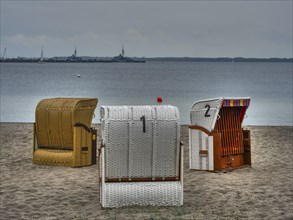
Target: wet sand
[{"x": 264, "y": 191}]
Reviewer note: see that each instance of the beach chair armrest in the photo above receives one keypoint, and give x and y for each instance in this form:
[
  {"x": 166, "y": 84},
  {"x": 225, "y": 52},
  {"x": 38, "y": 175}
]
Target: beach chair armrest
[{"x": 196, "y": 127}]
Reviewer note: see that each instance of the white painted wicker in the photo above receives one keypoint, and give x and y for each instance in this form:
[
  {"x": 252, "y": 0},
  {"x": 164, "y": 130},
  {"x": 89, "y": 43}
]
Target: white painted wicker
[
  {"x": 200, "y": 141},
  {"x": 132, "y": 150},
  {"x": 200, "y": 108},
  {"x": 132, "y": 153},
  {"x": 155, "y": 193}
]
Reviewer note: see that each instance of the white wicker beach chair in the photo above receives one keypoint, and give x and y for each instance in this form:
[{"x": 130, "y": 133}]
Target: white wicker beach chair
[
  {"x": 216, "y": 138},
  {"x": 141, "y": 156}
]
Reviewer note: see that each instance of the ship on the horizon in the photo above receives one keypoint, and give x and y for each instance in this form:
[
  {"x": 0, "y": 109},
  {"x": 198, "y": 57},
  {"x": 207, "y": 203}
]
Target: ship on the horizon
[
  {"x": 121, "y": 58},
  {"x": 4, "y": 54},
  {"x": 41, "y": 61}
]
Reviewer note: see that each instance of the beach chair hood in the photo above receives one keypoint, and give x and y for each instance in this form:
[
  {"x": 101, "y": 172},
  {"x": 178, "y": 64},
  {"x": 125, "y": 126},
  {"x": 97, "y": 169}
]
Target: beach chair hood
[
  {"x": 56, "y": 117},
  {"x": 142, "y": 141},
  {"x": 205, "y": 113}
]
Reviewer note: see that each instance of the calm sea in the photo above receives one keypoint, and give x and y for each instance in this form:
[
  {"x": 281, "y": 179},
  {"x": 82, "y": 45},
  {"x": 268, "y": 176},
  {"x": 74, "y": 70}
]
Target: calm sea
[{"x": 181, "y": 84}]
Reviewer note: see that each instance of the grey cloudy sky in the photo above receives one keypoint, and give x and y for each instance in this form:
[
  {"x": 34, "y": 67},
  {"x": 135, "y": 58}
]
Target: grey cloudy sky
[{"x": 147, "y": 28}]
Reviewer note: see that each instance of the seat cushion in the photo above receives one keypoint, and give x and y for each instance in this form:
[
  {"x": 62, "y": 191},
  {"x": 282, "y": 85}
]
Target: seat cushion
[{"x": 53, "y": 157}]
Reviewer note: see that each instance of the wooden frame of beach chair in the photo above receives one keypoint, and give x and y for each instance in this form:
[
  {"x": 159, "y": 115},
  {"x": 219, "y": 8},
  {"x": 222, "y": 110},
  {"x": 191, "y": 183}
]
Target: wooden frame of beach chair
[
  {"x": 217, "y": 140},
  {"x": 62, "y": 132},
  {"x": 141, "y": 157}
]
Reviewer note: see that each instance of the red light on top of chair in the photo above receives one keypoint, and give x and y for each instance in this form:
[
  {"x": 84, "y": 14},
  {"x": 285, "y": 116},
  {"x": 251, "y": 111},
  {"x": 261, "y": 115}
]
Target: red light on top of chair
[{"x": 159, "y": 99}]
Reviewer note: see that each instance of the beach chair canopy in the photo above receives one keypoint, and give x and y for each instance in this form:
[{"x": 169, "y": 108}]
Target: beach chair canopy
[
  {"x": 206, "y": 113},
  {"x": 56, "y": 117},
  {"x": 141, "y": 141}
]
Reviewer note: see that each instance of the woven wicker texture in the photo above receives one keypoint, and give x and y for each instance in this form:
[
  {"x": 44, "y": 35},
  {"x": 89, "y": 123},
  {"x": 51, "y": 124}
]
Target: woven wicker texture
[
  {"x": 200, "y": 109},
  {"x": 56, "y": 117},
  {"x": 75, "y": 157},
  {"x": 166, "y": 193},
  {"x": 140, "y": 142},
  {"x": 158, "y": 193},
  {"x": 53, "y": 157},
  {"x": 133, "y": 153},
  {"x": 62, "y": 134}
]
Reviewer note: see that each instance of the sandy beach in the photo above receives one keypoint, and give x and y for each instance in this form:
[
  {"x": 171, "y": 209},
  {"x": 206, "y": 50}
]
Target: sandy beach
[{"x": 264, "y": 191}]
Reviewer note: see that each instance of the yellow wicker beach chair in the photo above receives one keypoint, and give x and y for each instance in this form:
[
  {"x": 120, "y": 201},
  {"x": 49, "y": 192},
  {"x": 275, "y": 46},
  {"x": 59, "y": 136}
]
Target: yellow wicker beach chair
[{"x": 62, "y": 132}]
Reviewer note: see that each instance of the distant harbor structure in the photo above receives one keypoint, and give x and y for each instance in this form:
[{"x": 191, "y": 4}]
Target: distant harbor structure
[
  {"x": 74, "y": 57},
  {"x": 121, "y": 58}
]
